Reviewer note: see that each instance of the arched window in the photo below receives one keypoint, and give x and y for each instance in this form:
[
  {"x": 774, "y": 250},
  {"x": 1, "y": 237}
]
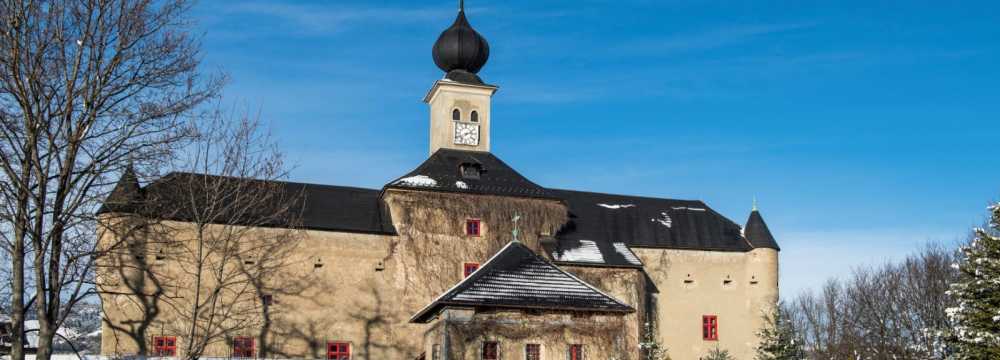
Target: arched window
[
  {"x": 456, "y": 115},
  {"x": 475, "y": 116}
]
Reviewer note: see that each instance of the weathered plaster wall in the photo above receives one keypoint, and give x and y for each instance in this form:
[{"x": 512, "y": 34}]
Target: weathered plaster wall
[
  {"x": 736, "y": 287},
  {"x": 625, "y": 284}
]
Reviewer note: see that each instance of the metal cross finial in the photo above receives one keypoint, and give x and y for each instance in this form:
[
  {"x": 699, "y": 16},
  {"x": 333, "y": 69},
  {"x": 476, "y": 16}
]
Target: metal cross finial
[
  {"x": 755, "y": 203},
  {"x": 461, "y": 5},
  {"x": 517, "y": 217}
]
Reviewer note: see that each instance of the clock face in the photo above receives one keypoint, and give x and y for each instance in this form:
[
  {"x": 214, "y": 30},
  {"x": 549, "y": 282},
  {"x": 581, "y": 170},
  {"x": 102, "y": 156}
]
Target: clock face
[{"x": 466, "y": 134}]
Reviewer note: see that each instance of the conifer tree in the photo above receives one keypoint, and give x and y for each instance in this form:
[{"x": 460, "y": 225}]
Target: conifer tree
[
  {"x": 976, "y": 317},
  {"x": 777, "y": 339},
  {"x": 718, "y": 354}
]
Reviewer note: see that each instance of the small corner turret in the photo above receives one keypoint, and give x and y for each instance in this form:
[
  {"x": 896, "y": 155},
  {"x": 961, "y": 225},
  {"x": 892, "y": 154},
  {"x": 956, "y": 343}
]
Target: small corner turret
[
  {"x": 756, "y": 231},
  {"x": 460, "y": 102}
]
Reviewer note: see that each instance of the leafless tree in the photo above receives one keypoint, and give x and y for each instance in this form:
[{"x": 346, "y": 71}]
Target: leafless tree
[
  {"x": 84, "y": 86},
  {"x": 886, "y": 312},
  {"x": 233, "y": 249}
]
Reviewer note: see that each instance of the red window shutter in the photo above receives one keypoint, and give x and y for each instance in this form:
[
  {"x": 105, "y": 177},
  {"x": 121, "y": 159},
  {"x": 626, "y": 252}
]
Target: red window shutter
[
  {"x": 491, "y": 350},
  {"x": 164, "y": 346},
  {"x": 469, "y": 268},
  {"x": 243, "y": 347},
  {"x": 576, "y": 352},
  {"x": 710, "y": 327},
  {"x": 533, "y": 352},
  {"x": 473, "y": 227},
  {"x": 338, "y": 350}
]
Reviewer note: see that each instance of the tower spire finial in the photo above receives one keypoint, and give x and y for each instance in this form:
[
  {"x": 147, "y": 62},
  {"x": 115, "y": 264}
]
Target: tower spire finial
[
  {"x": 461, "y": 5},
  {"x": 755, "y": 203}
]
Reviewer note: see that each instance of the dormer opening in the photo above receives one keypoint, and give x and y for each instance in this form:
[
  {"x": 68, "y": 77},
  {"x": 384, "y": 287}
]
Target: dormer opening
[{"x": 471, "y": 171}]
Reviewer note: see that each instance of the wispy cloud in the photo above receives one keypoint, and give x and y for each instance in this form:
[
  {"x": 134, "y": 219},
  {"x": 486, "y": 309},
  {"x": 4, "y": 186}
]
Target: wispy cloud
[{"x": 328, "y": 18}]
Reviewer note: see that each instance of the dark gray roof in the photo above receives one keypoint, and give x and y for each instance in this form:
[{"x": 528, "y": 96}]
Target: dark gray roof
[
  {"x": 606, "y": 219},
  {"x": 757, "y": 233},
  {"x": 126, "y": 194},
  {"x": 443, "y": 172},
  {"x": 323, "y": 207},
  {"x": 517, "y": 278}
]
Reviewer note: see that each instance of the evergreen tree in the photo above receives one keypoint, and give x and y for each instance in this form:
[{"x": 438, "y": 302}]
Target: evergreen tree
[
  {"x": 651, "y": 347},
  {"x": 777, "y": 339},
  {"x": 718, "y": 354},
  {"x": 976, "y": 317}
]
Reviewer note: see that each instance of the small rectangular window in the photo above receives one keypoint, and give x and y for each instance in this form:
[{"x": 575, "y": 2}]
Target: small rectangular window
[
  {"x": 491, "y": 350},
  {"x": 267, "y": 299},
  {"x": 164, "y": 346},
  {"x": 533, "y": 352},
  {"x": 436, "y": 352},
  {"x": 576, "y": 352},
  {"x": 243, "y": 347},
  {"x": 473, "y": 227},
  {"x": 710, "y": 327},
  {"x": 469, "y": 268},
  {"x": 338, "y": 350}
]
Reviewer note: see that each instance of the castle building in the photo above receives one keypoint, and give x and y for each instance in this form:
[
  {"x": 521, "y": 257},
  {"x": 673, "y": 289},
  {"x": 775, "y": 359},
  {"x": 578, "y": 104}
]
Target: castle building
[{"x": 461, "y": 258}]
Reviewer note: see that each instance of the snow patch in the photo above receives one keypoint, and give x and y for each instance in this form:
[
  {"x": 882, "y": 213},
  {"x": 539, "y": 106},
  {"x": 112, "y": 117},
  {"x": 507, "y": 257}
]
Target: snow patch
[
  {"x": 616, "y": 206},
  {"x": 664, "y": 220},
  {"x": 687, "y": 208},
  {"x": 417, "y": 180},
  {"x": 587, "y": 252},
  {"x": 627, "y": 253},
  {"x": 461, "y": 185}
]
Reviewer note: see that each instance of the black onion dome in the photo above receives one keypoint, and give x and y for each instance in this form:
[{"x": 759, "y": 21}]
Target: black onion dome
[{"x": 461, "y": 51}]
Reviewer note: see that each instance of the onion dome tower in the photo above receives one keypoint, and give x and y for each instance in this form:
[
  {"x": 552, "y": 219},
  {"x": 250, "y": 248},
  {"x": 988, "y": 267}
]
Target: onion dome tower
[{"x": 460, "y": 51}]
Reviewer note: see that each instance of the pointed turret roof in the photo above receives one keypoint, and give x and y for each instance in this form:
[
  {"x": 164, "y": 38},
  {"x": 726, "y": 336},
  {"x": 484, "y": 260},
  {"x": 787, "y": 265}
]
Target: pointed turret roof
[
  {"x": 517, "y": 278},
  {"x": 757, "y": 233},
  {"x": 126, "y": 195}
]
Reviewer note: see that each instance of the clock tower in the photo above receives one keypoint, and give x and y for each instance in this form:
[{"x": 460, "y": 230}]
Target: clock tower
[{"x": 460, "y": 102}]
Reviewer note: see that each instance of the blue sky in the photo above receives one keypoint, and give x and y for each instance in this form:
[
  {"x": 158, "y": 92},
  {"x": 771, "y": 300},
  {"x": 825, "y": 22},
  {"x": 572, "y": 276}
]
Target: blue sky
[{"x": 866, "y": 129}]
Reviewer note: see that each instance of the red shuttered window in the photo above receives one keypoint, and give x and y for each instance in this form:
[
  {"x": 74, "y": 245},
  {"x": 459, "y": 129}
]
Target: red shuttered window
[
  {"x": 469, "y": 268},
  {"x": 533, "y": 352},
  {"x": 164, "y": 346},
  {"x": 491, "y": 350},
  {"x": 710, "y": 327},
  {"x": 338, "y": 351},
  {"x": 473, "y": 227},
  {"x": 576, "y": 352},
  {"x": 243, "y": 347}
]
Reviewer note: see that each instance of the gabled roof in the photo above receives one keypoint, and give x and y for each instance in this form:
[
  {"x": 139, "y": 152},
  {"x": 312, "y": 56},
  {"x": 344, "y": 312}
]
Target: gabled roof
[
  {"x": 517, "y": 278},
  {"x": 324, "y": 207},
  {"x": 605, "y": 220},
  {"x": 443, "y": 172},
  {"x": 757, "y": 233}
]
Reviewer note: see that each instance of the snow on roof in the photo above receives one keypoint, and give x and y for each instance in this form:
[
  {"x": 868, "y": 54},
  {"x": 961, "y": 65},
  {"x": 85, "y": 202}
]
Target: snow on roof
[
  {"x": 622, "y": 248},
  {"x": 687, "y": 208},
  {"x": 664, "y": 220},
  {"x": 616, "y": 206},
  {"x": 417, "y": 180},
  {"x": 587, "y": 252},
  {"x": 517, "y": 277},
  {"x": 461, "y": 185}
]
